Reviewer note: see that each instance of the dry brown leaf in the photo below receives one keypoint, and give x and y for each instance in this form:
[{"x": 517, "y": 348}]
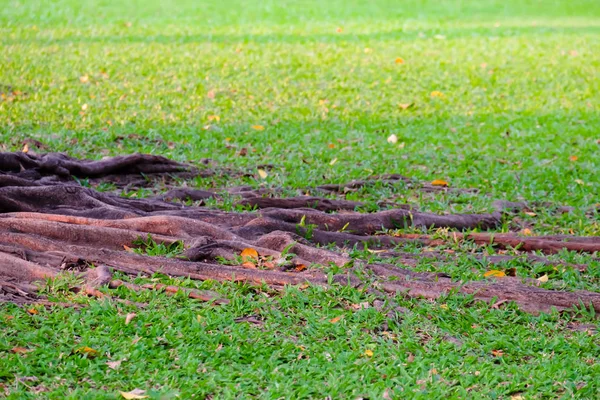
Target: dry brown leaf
[
  {"x": 134, "y": 394},
  {"x": 331, "y": 146},
  {"x": 20, "y": 350},
  {"x": 527, "y": 232},
  {"x": 128, "y": 249},
  {"x": 497, "y": 353},
  {"x": 494, "y": 273},
  {"x": 114, "y": 365},
  {"x": 335, "y": 320},
  {"x": 248, "y": 264},
  {"x": 300, "y": 267},
  {"x": 33, "y": 311},
  {"x": 129, "y": 317},
  {"x": 25, "y": 148},
  {"x": 439, "y": 182}
]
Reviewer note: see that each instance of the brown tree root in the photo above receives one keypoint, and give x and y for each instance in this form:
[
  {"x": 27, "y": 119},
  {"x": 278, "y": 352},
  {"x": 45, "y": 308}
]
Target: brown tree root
[{"x": 49, "y": 225}]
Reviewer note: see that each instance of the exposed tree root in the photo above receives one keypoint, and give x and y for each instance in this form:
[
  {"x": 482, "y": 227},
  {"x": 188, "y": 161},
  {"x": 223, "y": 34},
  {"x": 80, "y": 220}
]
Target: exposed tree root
[{"x": 50, "y": 224}]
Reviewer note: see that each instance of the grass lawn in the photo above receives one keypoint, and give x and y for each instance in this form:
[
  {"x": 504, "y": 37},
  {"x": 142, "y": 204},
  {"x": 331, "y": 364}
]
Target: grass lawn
[{"x": 502, "y": 96}]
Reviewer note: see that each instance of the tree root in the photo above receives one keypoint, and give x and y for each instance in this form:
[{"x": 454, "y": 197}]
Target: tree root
[{"x": 49, "y": 224}]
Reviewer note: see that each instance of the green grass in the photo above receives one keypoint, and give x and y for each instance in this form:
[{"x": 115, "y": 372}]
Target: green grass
[{"x": 520, "y": 82}]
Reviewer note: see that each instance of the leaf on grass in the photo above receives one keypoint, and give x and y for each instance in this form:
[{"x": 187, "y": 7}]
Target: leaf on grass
[
  {"x": 25, "y": 148},
  {"x": 87, "y": 351},
  {"x": 20, "y": 350},
  {"x": 497, "y": 353},
  {"x": 439, "y": 182},
  {"x": 436, "y": 93},
  {"x": 262, "y": 173},
  {"x": 543, "y": 278},
  {"x": 333, "y": 161},
  {"x": 531, "y": 214},
  {"x": 494, "y": 273},
  {"x": 129, "y": 317},
  {"x": 134, "y": 394},
  {"x": 339, "y": 30},
  {"x": 527, "y": 232},
  {"x": 369, "y": 353},
  {"x": 399, "y": 60},
  {"x": 393, "y": 139},
  {"x": 258, "y": 127},
  {"x": 249, "y": 252},
  {"x": 33, "y": 311},
  {"x": 214, "y": 118},
  {"x": 335, "y": 320},
  {"x": 405, "y": 106},
  {"x": 573, "y": 158},
  {"x": 210, "y": 94},
  {"x": 84, "y": 79},
  {"x": 114, "y": 365}
]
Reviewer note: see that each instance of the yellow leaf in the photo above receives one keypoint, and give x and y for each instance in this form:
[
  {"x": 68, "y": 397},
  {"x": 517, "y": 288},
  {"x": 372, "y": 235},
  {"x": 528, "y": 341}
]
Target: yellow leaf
[
  {"x": 88, "y": 351},
  {"x": 444, "y": 306},
  {"x": 25, "y": 148},
  {"x": 531, "y": 214},
  {"x": 333, "y": 161},
  {"x": 262, "y": 173},
  {"x": 439, "y": 182},
  {"x": 249, "y": 252},
  {"x": 214, "y": 118},
  {"x": 33, "y": 311},
  {"x": 393, "y": 139},
  {"x": 84, "y": 79},
  {"x": 495, "y": 273},
  {"x": 579, "y": 181},
  {"x": 573, "y": 158},
  {"x": 436, "y": 93},
  {"x": 369, "y": 353},
  {"x": 134, "y": 394},
  {"x": 527, "y": 232},
  {"x": 331, "y": 146},
  {"x": 335, "y": 320},
  {"x": 399, "y": 60},
  {"x": 543, "y": 278},
  {"x": 258, "y": 127}
]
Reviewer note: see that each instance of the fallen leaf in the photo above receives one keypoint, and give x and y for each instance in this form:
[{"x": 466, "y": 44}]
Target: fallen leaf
[
  {"x": 573, "y": 158},
  {"x": 214, "y": 118},
  {"x": 269, "y": 265},
  {"x": 128, "y": 249},
  {"x": 527, "y": 232},
  {"x": 84, "y": 79},
  {"x": 210, "y": 94},
  {"x": 33, "y": 311},
  {"x": 531, "y": 214},
  {"x": 335, "y": 320},
  {"x": 134, "y": 394},
  {"x": 543, "y": 278},
  {"x": 248, "y": 264},
  {"x": 84, "y": 107},
  {"x": 25, "y": 148},
  {"x": 516, "y": 397},
  {"x": 436, "y": 93},
  {"x": 494, "y": 273},
  {"x": 300, "y": 267},
  {"x": 339, "y": 30},
  {"x": 579, "y": 182},
  {"x": 20, "y": 350},
  {"x": 258, "y": 127},
  {"x": 114, "y": 365},
  {"x": 404, "y": 106},
  {"x": 369, "y": 353},
  {"x": 331, "y": 146},
  {"x": 129, "y": 317},
  {"x": 410, "y": 358},
  {"x": 393, "y": 139},
  {"x": 444, "y": 306},
  {"x": 249, "y": 252},
  {"x": 333, "y": 161},
  {"x": 88, "y": 351},
  {"x": 262, "y": 173},
  {"x": 399, "y": 60},
  {"x": 243, "y": 152},
  {"x": 497, "y": 353},
  {"x": 439, "y": 182}
]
